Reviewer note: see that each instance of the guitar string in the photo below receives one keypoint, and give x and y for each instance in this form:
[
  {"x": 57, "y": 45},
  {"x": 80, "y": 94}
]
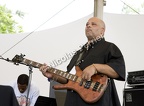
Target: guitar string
[{"x": 37, "y": 27}]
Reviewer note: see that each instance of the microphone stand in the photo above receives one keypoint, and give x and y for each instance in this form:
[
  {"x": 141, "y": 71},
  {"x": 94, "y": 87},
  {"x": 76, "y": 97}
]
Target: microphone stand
[
  {"x": 30, "y": 75},
  {"x": 29, "y": 83}
]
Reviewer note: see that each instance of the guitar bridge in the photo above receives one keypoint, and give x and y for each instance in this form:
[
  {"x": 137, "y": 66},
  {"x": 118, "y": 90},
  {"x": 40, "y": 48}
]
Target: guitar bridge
[{"x": 99, "y": 89}]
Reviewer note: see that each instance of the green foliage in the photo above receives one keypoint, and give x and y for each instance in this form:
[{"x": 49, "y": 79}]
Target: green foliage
[{"x": 7, "y": 23}]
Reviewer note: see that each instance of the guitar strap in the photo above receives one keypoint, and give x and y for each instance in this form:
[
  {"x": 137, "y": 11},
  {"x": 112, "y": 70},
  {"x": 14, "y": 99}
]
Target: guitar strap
[{"x": 76, "y": 60}]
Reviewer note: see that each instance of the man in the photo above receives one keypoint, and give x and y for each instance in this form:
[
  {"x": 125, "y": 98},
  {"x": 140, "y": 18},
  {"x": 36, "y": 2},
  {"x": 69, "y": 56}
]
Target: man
[
  {"x": 95, "y": 57},
  {"x": 21, "y": 91}
]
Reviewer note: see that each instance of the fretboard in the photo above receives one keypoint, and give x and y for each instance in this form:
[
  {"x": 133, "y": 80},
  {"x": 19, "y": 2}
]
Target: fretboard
[{"x": 51, "y": 69}]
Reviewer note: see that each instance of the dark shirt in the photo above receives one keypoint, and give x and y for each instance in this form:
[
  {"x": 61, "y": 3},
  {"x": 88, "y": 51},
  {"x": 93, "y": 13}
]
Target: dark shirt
[
  {"x": 7, "y": 96},
  {"x": 101, "y": 52}
]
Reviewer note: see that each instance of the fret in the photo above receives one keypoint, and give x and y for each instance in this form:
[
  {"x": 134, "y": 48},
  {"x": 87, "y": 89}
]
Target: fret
[
  {"x": 70, "y": 76},
  {"x": 74, "y": 78},
  {"x": 64, "y": 74},
  {"x": 24, "y": 61},
  {"x": 50, "y": 69},
  {"x": 27, "y": 62},
  {"x": 31, "y": 62},
  {"x": 67, "y": 75},
  {"x": 60, "y": 73},
  {"x": 54, "y": 71},
  {"x": 38, "y": 65}
]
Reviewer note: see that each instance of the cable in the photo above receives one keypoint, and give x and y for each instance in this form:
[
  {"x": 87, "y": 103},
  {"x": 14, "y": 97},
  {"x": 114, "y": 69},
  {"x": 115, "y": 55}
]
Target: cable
[
  {"x": 130, "y": 7},
  {"x": 37, "y": 28}
]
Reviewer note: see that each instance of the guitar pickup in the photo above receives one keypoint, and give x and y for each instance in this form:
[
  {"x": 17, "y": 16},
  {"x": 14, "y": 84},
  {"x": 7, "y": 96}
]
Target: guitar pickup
[
  {"x": 96, "y": 86},
  {"x": 87, "y": 84}
]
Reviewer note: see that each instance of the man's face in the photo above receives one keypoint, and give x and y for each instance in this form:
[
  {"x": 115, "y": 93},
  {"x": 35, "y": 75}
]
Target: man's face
[
  {"x": 93, "y": 28},
  {"x": 22, "y": 88}
]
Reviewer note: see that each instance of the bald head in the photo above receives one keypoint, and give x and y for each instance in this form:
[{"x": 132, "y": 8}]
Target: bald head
[
  {"x": 95, "y": 27},
  {"x": 98, "y": 20}
]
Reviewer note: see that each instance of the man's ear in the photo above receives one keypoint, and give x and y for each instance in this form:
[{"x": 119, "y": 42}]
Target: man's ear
[{"x": 102, "y": 31}]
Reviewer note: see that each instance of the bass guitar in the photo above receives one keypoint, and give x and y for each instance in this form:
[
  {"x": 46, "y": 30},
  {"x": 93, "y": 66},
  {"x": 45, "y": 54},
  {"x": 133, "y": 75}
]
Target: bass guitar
[{"x": 89, "y": 91}]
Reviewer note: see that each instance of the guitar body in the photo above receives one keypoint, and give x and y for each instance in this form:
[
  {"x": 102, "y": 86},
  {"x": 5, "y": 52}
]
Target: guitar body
[{"x": 87, "y": 94}]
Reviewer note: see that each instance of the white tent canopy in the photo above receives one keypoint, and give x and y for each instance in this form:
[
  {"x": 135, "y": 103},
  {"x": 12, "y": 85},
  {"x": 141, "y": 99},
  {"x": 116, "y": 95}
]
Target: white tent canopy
[{"x": 52, "y": 45}]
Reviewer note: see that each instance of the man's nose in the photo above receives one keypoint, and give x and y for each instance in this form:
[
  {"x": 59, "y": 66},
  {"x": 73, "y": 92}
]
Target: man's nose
[{"x": 88, "y": 25}]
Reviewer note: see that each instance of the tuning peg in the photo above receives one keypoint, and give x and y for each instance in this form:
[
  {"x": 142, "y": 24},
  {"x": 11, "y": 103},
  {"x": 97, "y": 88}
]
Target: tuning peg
[
  {"x": 16, "y": 63},
  {"x": 22, "y": 55}
]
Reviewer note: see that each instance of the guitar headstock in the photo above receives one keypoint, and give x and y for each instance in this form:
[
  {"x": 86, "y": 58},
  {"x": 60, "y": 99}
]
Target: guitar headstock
[{"x": 18, "y": 59}]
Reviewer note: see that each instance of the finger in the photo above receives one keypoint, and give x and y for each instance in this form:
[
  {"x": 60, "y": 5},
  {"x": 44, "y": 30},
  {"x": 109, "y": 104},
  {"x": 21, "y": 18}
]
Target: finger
[
  {"x": 83, "y": 75},
  {"x": 89, "y": 79}
]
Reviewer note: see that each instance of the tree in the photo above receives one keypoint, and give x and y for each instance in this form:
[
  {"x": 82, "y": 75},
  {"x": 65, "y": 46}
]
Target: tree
[{"x": 7, "y": 23}]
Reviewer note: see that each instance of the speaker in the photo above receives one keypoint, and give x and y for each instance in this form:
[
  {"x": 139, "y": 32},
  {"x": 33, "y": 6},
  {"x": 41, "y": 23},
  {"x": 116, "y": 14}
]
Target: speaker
[
  {"x": 134, "y": 97},
  {"x": 45, "y": 101},
  {"x": 60, "y": 97}
]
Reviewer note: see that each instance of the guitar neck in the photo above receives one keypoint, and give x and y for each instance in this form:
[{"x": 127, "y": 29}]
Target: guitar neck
[{"x": 51, "y": 69}]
